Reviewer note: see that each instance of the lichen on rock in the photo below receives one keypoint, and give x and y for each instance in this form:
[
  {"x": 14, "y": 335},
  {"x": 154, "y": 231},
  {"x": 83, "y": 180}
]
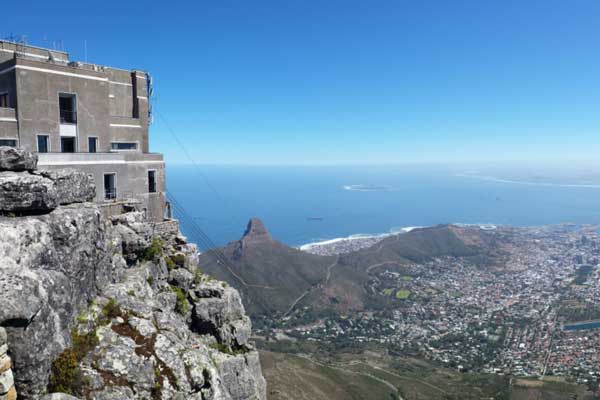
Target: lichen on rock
[{"x": 91, "y": 308}]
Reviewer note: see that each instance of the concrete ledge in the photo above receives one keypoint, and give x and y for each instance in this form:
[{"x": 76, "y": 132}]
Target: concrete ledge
[
  {"x": 8, "y": 115},
  {"x": 70, "y": 159}
]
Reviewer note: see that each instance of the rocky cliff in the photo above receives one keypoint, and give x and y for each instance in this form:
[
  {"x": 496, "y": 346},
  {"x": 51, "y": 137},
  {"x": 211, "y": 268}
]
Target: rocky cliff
[{"x": 110, "y": 308}]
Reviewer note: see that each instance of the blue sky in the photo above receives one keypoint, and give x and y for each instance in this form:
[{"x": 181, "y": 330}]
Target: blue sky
[{"x": 348, "y": 82}]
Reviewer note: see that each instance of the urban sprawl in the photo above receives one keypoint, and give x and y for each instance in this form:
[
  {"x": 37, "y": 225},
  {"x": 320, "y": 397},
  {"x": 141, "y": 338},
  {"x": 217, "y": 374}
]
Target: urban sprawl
[{"x": 536, "y": 312}]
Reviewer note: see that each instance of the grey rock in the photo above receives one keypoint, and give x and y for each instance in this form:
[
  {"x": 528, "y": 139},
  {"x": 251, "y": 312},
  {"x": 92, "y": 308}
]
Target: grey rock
[
  {"x": 59, "y": 270},
  {"x": 2, "y": 336},
  {"x": 23, "y": 192},
  {"x": 143, "y": 326},
  {"x": 242, "y": 376},
  {"x": 52, "y": 265},
  {"x": 135, "y": 235},
  {"x": 16, "y": 159},
  {"x": 72, "y": 186},
  {"x": 120, "y": 360},
  {"x": 113, "y": 393},
  {"x": 168, "y": 351},
  {"x": 219, "y": 310},
  {"x": 181, "y": 278}
]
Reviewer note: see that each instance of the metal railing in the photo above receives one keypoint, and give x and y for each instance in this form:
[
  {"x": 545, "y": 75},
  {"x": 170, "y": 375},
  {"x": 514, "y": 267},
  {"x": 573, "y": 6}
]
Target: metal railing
[
  {"x": 110, "y": 194},
  {"x": 68, "y": 117}
]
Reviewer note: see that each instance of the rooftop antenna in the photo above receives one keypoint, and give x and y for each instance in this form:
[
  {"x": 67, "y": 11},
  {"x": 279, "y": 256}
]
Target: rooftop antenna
[{"x": 85, "y": 49}]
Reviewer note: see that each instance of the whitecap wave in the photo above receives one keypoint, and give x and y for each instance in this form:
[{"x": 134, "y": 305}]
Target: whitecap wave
[
  {"x": 367, "y": 188},
  {"x": 530, "y": 183}
]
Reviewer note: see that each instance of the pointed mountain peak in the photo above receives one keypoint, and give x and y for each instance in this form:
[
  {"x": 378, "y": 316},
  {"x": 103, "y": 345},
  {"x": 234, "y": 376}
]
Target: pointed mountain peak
[{"x": 256, "y": 232}]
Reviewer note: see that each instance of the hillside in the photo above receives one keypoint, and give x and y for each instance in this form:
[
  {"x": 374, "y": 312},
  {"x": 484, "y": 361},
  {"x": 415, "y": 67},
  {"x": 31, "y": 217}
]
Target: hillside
[
  {"x": 274, "y": 278},
  {"x": 378, "y": 377},
  {"x": 269, "y": 274}
]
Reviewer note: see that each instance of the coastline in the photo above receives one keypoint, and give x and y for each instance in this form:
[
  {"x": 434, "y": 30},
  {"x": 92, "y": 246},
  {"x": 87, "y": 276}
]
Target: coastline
[
  {"x": 342, "y": 245},
  {"x": 348, "y": 244}
]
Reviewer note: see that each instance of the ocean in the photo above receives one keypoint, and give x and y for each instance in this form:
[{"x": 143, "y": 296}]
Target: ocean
[{"x": 301, "y": 205}]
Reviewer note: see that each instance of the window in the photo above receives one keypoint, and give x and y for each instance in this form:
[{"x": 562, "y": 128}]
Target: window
[
  {"x": 68, "y": 108},
  {"x": 123, "y": 146},
  {"x": 43, "y": 143},
  {"x": 110, "y": 187},
  {"x": 67, "y": 144},
  {"x": 92, "y": 144},
  {"x": 151, "y": 181},
  {"x": 8, "y": 142},
  {"x": 3, "y": 100}
]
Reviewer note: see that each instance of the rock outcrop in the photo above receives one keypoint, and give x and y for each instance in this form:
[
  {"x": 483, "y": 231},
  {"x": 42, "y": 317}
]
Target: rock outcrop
[
  {"x": 256, "y": 232},
  {"x": 13, "y": 159},
  {"x": 25, "y": 191},
  {"x": 113, "y": 308}
]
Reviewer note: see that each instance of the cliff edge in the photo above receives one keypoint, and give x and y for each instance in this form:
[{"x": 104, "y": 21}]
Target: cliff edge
[{"x": 109, "y": 308}]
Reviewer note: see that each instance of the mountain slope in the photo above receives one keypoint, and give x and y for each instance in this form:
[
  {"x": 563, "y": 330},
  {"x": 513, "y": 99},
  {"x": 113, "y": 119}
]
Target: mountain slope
[
  {"x": 275, "y": 278},
  {"x": 269, "y": 274}
]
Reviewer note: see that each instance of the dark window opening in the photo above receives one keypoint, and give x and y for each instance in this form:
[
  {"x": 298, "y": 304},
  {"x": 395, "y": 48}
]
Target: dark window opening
[
  {"x": 67, "y": 144},
  {"x": 42, "y": 144},
  {"x": 152, "y": 181},
  {"x": 123, "y": 146},
  {"x": 8, "y": 142},
  {"x": 92, "y": 144},
  {"x": 110, "y": 189},
  {"x": 68, "y": 109},
  {"x": 4, "y": 100}
]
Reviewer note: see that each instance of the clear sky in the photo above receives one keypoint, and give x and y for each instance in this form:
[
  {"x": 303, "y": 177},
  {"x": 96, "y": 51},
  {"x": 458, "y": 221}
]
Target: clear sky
[{"x": 345, "y": 81}]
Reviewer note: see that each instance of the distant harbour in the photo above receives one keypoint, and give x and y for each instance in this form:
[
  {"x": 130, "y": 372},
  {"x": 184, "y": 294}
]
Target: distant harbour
[{"x": 580, "y": 326}]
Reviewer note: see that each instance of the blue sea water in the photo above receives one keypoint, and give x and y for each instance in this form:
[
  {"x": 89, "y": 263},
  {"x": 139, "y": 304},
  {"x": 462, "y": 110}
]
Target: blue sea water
[{"x": 373, "y": 200}]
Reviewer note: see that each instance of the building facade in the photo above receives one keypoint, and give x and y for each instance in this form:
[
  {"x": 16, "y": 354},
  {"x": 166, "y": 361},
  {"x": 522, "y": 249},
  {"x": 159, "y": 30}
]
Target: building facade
[{"x": 84, "y": 116}]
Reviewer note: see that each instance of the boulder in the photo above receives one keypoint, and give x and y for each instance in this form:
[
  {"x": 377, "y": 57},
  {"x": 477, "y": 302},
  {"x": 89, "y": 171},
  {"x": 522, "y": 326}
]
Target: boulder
[
  {"x": 14, "y": 159},
  {"x": 219, "y": 311},
  {"x": 72, "y": 186},
  {"x": 52, "y": 265},
  {"x": 24, "y": 192}
]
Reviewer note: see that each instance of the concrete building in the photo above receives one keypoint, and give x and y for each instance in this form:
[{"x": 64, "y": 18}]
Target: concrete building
[{"x": 83, "y": 116}]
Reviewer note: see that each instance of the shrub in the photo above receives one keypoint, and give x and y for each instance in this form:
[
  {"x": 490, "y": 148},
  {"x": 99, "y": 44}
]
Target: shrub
[
  {"x": 150, "y": 280},
  {"x": 83, "y": 344},
  {"x": 170, "y": 263},
  {"x": 111, "y": 310},
  {"x": 179, "y": 260},
  {"x": 175, "y": 261},
  {"x": 65, "y": 375},
  {"x": 153, "y": 251},
  {"x": 197, "y": 276},
  {"x": 182, "y": 305},
  {"x": 227, "y": 350}
]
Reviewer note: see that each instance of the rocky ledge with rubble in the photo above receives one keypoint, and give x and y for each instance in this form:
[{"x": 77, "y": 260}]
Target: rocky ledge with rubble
[{"x": 95, "y": 307}]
